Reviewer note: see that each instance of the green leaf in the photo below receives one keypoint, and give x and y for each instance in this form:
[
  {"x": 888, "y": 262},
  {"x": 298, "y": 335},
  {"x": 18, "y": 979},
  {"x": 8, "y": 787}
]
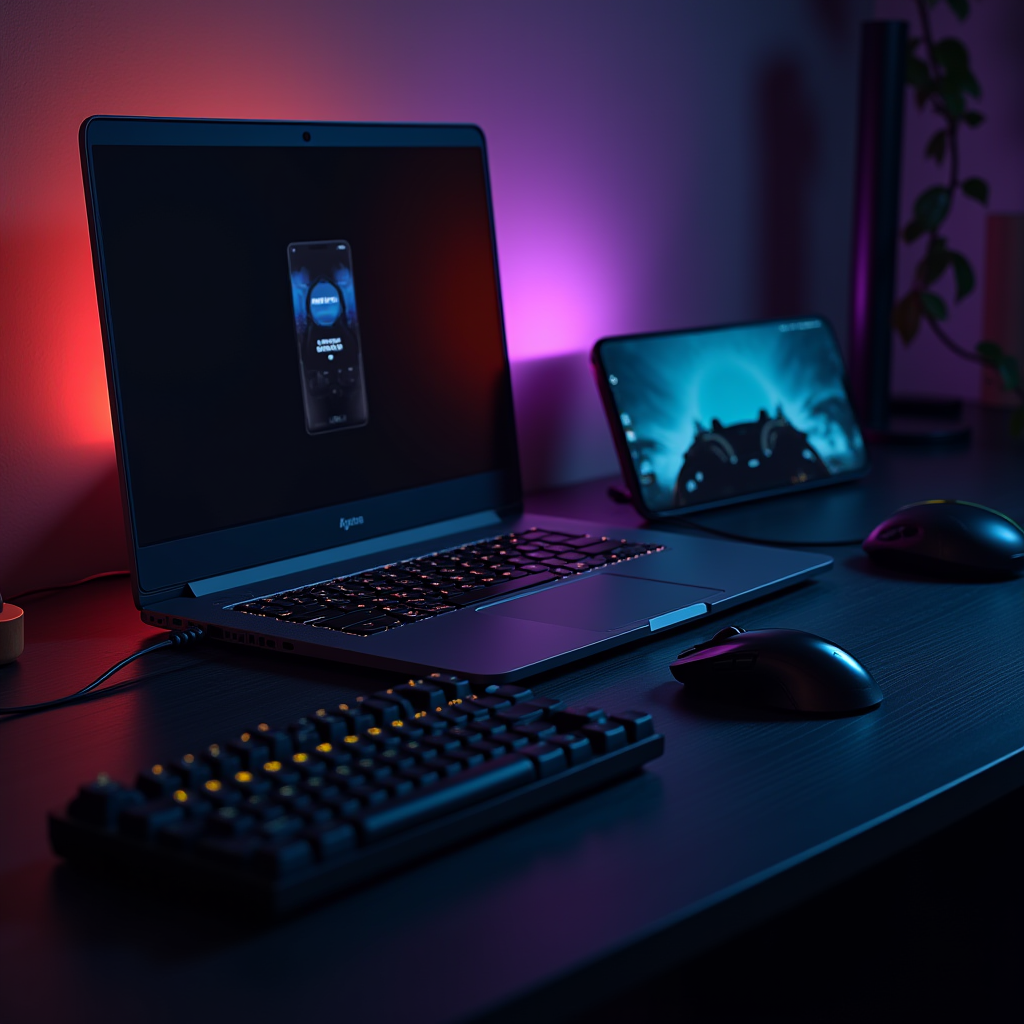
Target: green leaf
[
  {"x": 936, "y": 147},
  {"x": 931, "y": 206},
  {"x": 1010, "y": 372},
  {"x": 933, "y": 306},
  {"x": 1017, "y": 421},
  {"x": 952, "y": 96},
  {"x": 917, "y": 73},
  {"x": 973, "y": 118},
  {"x": 913, "y": 231},
  {"x": 976, "y": 188},
  {"x": 951, "y": 54},
  {"x": 906, "y": 316},
  {"x": 964, "y": 274},
  {"x": 960, "y": 8},
  {"x": 934, "y": 263},
  {"x": 990, "y": 352}
]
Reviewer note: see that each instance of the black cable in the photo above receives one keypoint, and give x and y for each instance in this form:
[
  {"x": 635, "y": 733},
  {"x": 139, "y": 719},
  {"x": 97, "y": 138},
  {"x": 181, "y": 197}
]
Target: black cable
[
  {"x": 617, "y": 494},
  {"x": 66, "y": 586},
  {"x": 176, "y": 639}
]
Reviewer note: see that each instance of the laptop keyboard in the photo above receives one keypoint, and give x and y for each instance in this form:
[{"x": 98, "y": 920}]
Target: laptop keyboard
[{"x": 420, "y": 588}]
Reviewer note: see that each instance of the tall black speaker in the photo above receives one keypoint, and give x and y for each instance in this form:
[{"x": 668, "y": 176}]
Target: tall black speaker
[{"x": 876, "y": 218}]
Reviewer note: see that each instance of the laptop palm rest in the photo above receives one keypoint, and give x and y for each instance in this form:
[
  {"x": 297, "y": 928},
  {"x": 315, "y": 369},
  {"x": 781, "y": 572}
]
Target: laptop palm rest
[{"x": 608, "y": 602}]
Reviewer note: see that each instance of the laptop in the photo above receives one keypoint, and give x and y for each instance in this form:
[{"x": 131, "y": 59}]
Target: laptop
[{"x": 313, "y": 412}]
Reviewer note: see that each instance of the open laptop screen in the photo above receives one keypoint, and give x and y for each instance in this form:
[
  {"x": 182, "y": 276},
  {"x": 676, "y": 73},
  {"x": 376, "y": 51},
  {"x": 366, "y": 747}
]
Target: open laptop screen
[{"x": 296, "y": 328}]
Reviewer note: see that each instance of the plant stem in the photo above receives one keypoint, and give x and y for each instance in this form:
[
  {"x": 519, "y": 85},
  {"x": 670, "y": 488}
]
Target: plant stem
[{"x": 965, "y": 353}]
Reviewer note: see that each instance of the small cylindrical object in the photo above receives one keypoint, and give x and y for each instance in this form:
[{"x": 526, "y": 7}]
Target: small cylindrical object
[{"x": 12, "y": 633}]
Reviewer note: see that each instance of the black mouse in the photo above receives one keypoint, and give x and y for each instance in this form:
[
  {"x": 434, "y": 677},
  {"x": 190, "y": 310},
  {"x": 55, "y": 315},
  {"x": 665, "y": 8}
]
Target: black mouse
[
  {"x": 951, "y": 539},
  {"x": 777, "y": 668}
]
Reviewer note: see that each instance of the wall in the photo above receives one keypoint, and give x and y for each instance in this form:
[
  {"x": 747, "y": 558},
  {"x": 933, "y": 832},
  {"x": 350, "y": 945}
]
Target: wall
[{"x": 654, "y": 165}]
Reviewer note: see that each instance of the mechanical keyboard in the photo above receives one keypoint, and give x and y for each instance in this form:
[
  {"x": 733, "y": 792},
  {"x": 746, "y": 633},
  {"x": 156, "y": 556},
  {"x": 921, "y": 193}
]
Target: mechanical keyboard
[
  {"x": 278, "y": 818},
  {"x": 419, "y": 588}
]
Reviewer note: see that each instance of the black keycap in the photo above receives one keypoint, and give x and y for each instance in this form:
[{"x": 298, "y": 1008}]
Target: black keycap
[
  {"x": 250, "y": 750},
  {"x": 638, "y": 724},
  {"x": 281, "y": 828},
  {"x": 279, "y": 743},
  {"x": 577, "y": 748},
  {"x": 549, "y": 704},
  {"x": 101, "y": 802},
  {"x": 469, "y": 787},
  {"x": 157, "y": 782},
  {"x": 191, "y": 770},
  {"x": 304, "y": 736},
  {"x": 143, "y": 821},
  {"x": 575, "y": 717},
  {"x": 332, "y": 728},
  {"x": 383, "y": 711},
  {"x": 421, "y": 775},
  {"x": 229, "y": 821},
  {"x": 535, "y": 731},
  {"x": 396, "y": 696},
  {"x": 548, "y": 758},
  {"x": 275, "y": 861},
  {"x": 516, "y": 694},
  {"x": 424, "y": 696},
  {"x": 454, "y": 687},
  {"x": 330, "y": 840},
  {"x": 606, "y": 736},
  {"x": 519, "y": 714}
]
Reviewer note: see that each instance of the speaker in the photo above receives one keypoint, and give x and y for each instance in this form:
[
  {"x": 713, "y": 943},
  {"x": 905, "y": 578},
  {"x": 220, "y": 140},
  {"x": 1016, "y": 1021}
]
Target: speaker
[{"x": 876, "y": 217}]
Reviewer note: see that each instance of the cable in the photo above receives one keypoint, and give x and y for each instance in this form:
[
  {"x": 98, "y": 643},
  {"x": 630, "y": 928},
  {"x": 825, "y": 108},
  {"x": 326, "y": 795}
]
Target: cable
[
  {"x": 617, "y": 494},
  {"x": 176, "y": 639},
  {"x": 65, "y": 586}
]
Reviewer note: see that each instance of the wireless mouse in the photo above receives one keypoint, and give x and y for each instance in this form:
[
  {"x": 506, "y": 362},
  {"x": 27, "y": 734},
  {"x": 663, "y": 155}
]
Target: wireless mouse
[
  {"x": 786, "y": 669},
  {"x": 951, "y": 539}
]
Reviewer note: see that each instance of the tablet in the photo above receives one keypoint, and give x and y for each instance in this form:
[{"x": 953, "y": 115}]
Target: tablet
[{"x": 708, "y": 417}]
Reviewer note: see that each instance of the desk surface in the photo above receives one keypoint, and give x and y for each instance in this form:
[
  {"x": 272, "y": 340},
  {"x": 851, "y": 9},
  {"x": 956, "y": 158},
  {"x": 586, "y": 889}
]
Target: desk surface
[{"x": 745, "y": 814}]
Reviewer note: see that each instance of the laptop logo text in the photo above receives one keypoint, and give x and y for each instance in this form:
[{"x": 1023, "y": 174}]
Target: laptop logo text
[{"x": 344, "y": 523}]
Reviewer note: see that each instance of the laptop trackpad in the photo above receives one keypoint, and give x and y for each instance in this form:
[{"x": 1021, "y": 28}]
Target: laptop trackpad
[{"x": 605, "y": 603}]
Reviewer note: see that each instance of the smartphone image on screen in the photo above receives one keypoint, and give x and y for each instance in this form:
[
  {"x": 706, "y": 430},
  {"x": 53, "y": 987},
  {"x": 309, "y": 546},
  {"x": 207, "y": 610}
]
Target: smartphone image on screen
[
  {"x": 708, "y": 417},
  {"x": 327, "y": 333}
]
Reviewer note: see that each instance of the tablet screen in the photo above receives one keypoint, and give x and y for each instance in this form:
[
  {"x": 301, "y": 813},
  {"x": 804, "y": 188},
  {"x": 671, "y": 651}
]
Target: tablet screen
[{"x": 711, "y": 416}]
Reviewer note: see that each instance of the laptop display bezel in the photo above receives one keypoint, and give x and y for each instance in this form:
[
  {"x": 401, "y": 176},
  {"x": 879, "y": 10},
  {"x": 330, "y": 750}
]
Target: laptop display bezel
[{"x": 165, "y": 569}]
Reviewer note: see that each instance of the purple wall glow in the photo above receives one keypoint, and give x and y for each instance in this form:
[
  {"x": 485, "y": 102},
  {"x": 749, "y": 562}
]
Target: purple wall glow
[{"x": 654, "y": 165}]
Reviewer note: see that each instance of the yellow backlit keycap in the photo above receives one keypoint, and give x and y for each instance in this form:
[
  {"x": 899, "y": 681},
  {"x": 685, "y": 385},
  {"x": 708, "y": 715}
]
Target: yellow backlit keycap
[
  {"x": 158, "y": 769},
  {"x": 373, "y": 731},
  {"x": 324, "y": 748},
  {"x": 263, "y": 727},
  {"x": 180, "y": 795},
  {"x": 300, "y": 758},
  {"x": 189, "y": 758},
  {"x": 213, "y": 785},
  {"x": 397, "y": 723},
  {"x": 272, "y": 766},
  {"x": 351, "y": 739},
  {"x": 243, "y": 776}
]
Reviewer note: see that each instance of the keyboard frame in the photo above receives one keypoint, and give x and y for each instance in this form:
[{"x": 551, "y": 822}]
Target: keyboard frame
[{"x": 264, "y": 898}]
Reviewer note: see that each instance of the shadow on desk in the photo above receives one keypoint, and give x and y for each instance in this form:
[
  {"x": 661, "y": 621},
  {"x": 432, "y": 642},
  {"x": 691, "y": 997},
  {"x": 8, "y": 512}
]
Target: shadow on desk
[{"x": 935, "y": 934}]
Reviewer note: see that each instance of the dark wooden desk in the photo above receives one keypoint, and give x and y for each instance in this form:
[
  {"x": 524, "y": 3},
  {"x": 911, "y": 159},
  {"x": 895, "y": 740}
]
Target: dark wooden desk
[{"x": 744, "y": 816}]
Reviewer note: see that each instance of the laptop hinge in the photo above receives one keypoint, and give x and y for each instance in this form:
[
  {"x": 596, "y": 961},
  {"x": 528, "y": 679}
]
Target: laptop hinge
[{"x": 342, "y": 553}]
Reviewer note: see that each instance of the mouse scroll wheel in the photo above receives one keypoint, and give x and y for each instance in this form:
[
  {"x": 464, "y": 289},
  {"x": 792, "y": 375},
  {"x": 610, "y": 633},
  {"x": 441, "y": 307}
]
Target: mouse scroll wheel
[
  {"x": 900, "y": 532},
  {"x": 726, "y": 634}
]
